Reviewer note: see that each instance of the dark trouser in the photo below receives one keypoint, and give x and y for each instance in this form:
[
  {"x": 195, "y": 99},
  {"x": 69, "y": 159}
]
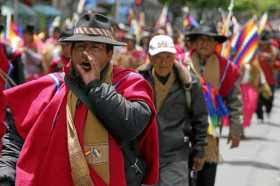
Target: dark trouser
[
  {"x": 207, "y": 176},
  {"x": 278, "y": 80},
  {"x": 174, "y": 174},
  {"x": 266, "y": 102}
]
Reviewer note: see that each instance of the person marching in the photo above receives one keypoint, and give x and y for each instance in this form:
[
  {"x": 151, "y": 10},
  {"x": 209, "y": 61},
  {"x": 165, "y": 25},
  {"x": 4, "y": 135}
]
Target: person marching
[
  {"x": 94, "y": 126},
  {"x": 182, "y": 112},
  {"x": 220, "y": 80},
  {"x": 30, "y": 56},
  {"x": 267, "y": 59},
  {"x": 132, "y": 56},
  {"x": 253, "y": 82}
]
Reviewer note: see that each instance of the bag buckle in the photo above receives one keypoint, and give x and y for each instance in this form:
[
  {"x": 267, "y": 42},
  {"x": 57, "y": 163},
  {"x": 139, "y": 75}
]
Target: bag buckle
[{"x": 136, "y": 167}]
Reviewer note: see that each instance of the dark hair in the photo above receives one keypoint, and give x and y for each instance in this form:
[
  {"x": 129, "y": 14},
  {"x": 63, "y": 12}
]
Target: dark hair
[
  {"x": 57, "y": 29},
  {"x": 29, "y": 28},
  {"x": 109, "y": 48},
  {"x": 193, "y": 38}
]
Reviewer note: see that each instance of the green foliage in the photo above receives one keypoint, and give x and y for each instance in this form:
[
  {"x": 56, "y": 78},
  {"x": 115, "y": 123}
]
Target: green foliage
[
  {"x": 245, "y": 5},
  {"x": 256, "y": 6},
  {"x": 199, "y": 3},
  {"x": 211, "y": 4},
  {"x": 249, "y": 6},
  {"x": 169, "y": 2}
]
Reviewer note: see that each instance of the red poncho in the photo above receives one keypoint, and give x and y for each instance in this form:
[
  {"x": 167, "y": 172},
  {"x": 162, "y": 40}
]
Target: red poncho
[
  {"x": 2, "y": 128},
  {"x": 41, "y": 122},
  {"x": 4, "y": 65},
  {"x": 229, "y": 74}
]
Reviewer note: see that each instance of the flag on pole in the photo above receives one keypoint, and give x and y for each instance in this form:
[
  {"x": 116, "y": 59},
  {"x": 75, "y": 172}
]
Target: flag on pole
[
  {"x": 227, "y": 21},
  {"x": 163, "y": 17},
  {"x": 13, "y": 36},
  {"x": 226, "y": 50},
  {"x": 263, "y": 22},
  {"x": 189, "y": 21},
  {"x": 246, "y": 43},
  {"x": 134, "y": 24}
]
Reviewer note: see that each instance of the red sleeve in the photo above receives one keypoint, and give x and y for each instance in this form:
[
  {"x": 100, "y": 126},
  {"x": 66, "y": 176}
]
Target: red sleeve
[{"x": 148, "y": 145}]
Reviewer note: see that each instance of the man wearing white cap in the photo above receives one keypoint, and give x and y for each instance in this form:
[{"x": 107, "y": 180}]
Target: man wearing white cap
[{"x": 182, "y": 113}]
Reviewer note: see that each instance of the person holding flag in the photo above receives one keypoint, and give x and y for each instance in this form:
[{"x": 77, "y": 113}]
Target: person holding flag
[{"x": 220, "y": 80}]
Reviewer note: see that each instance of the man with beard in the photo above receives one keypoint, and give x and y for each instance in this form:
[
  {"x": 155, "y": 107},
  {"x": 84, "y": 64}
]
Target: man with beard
[{"x": 73, "y": 130}]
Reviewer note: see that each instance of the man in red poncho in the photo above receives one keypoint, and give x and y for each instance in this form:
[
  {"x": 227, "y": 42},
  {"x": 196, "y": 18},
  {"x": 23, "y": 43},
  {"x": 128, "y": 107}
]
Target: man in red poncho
[
  {"x": 54, "y": 139},
  {"x": 220, "y": 80}
]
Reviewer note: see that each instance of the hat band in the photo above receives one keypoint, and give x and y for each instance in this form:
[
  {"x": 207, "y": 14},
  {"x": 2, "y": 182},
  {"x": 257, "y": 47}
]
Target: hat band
[{"x": 94, "y": 31}]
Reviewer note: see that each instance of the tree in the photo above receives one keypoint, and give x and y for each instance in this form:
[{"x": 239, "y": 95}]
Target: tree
[
  {"x": 256, "y": 6},
  {"x": 199, "y": 3},
  {"x": 250, "y": 6}
]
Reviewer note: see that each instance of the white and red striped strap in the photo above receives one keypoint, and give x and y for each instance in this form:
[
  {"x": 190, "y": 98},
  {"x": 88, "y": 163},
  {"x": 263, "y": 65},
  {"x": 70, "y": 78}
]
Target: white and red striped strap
[{"x": 94, "y": 31}]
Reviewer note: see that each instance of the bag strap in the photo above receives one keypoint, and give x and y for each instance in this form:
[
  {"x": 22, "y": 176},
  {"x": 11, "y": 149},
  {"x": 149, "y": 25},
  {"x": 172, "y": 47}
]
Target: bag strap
[
  {"x": 57, "y": 78},
  {"x": 129, "y": 154},
  {"x": 188, "y": 98}
]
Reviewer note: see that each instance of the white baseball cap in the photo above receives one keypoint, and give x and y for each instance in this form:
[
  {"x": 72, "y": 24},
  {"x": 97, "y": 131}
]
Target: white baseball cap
[{"x": 161, "y": 43}]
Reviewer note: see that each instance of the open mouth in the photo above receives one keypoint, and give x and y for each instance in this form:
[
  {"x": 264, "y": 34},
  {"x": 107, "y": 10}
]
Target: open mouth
[{"x": 86, "y": 65}]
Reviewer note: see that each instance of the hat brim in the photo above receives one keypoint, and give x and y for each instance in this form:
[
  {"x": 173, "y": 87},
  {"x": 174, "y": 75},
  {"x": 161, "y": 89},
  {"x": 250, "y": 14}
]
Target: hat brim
[
  {"x": 218, "y": 38},
  {"x": 98, "y": 39},
  {"x": 160, "y": 50}
]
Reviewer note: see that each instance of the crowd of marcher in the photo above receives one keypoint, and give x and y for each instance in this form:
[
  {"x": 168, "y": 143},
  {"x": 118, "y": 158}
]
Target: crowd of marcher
[{"x": 96, "y": 105}]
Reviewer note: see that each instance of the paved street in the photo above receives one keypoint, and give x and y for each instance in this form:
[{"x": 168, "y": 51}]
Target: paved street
[{"x": 257, "y": 161}]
